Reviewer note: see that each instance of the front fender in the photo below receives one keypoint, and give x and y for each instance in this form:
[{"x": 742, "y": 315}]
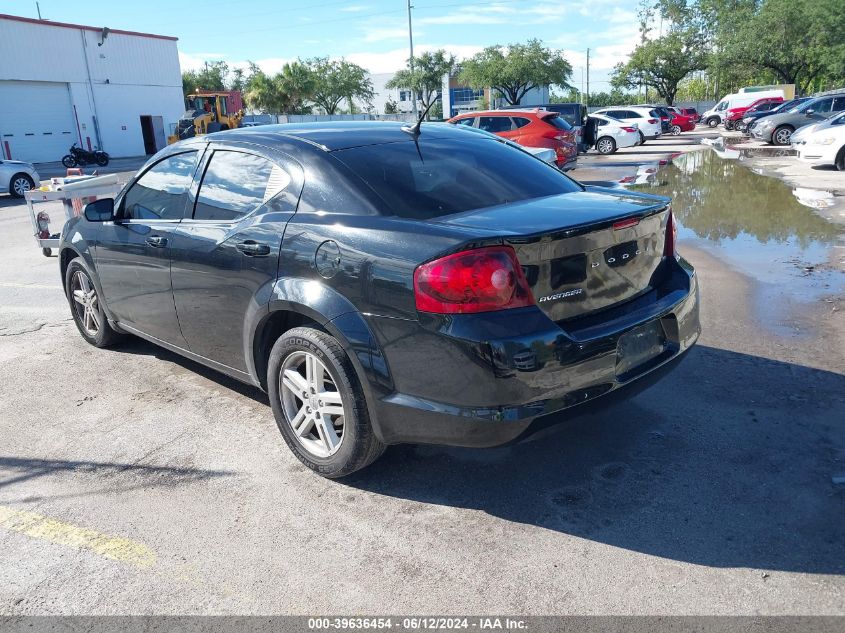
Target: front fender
[{"x": 74, "y": 244}]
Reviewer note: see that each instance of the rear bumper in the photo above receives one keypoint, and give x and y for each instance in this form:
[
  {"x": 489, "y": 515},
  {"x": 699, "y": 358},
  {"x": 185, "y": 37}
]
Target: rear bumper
[{"x": 467, "y": 389}]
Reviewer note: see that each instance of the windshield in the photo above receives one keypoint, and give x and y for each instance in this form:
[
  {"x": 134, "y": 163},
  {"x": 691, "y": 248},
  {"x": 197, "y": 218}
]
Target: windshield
[
  {"x": 722, "y": 105},
  {"x": 434, "y": 177}
]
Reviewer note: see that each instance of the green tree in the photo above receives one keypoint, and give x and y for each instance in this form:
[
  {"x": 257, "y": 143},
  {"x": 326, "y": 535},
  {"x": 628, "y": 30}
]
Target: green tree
[
  {"x": 338, "y": 80},
  {"x": 391, "y": 107},
  {"x": 800, "y": 41},
  {"x": 662, "y": 63},
  {"x": 295, "y": 86},
  {"x": 260, "y": 91},
  {"x": 212, "y": 76},
  {"x": 514, "y": 70},
  {"x": 427, "y": 77}
]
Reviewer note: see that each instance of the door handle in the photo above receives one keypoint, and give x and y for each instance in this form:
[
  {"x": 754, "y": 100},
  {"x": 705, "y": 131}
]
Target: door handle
[
  {"x": 157, "y": 240},
  {"x": 253, "y": 249}
]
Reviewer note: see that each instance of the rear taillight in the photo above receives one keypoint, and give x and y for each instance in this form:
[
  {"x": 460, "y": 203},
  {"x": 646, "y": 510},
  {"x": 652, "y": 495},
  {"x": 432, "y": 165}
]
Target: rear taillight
[
  {"x": 630, "y": 129},
  {"x": 652, "y": 121},
  {"x": 671, "y": 236},
  {"x": 479, "y": 280}
]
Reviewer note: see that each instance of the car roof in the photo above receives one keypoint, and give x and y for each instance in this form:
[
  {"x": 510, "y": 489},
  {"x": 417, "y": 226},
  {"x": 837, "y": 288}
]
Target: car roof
[{"x": 330, "y": 135}]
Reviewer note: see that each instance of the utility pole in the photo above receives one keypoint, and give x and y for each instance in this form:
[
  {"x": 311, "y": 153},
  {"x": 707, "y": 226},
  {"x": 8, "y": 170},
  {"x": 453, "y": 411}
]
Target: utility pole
[
  {"x": 411, "y": 42},
  {"x": 587, "y": 95},
  {"x": 38, "y": 8}
]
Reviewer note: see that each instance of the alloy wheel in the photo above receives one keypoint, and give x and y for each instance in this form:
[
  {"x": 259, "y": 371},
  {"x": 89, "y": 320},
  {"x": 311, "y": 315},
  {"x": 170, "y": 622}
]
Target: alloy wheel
[
  {"x": 605, "y": 146},
  {"x": 312, "y": 404},
  {"x": 21, "y": 185},
  {"x": 85, "y": 303},
  {"x": 676, "y": 130},
  {"x": 782, "y": 136}
]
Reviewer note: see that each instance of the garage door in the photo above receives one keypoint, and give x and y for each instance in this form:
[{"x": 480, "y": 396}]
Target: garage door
[{"x": 36, "y": 120}]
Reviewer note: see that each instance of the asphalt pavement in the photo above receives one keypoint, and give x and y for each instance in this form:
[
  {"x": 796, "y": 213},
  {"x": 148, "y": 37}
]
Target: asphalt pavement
[{"x": 135, "y": 481}]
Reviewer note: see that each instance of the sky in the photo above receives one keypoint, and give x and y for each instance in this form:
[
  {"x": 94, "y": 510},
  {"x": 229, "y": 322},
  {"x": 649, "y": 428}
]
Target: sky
[{"x": 372, "y": 33}]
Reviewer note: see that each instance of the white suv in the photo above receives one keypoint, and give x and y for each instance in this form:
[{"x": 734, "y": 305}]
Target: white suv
[
  {"x": 647, "y": 120},
  {"x": 17, "y": 178}
]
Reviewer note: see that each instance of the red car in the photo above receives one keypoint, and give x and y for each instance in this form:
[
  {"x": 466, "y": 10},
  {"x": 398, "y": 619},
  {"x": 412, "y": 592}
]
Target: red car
[
  {"x": 530, "y": 127},
  {"x": 680, "y": 123},
  {"x": 691, "y": 113},
  {"x": 735, "y": 115}
]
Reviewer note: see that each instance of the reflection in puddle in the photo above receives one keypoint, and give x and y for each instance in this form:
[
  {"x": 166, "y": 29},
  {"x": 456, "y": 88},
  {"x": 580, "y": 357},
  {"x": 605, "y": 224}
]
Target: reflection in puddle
[{"x": 756, "y": 224}]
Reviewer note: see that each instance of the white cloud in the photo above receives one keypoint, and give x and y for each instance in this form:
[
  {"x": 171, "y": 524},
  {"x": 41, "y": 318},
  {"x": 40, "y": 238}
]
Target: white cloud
[
  {"x": 463, "y": 18},
  {"x": 393, "y": 60},
  {"x": 355, "y": 8},
  {"x": 386, "y": 34}
]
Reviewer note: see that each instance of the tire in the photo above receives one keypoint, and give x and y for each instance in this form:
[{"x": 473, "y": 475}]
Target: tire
[
  {"x": 20, "y": 184},
  {"x": 352, "y": 444},
  {"x": 729, "y": 125},
  {"x": 740, "y": 126},
  {"x": 77, "y": 278},
  {"x": 642, "y": 138},
  {"x": 676, "y": 130},
  {"x": 69, "y": 161},
  {"x": 713, "y": 121},
  {"x": 47, "y": 252},
  {"x": 102, "y": 159},
  {"x": 782, "y": 135},
  {"x": 840, "y": 159},
  {"x": 605, "y": 145}
]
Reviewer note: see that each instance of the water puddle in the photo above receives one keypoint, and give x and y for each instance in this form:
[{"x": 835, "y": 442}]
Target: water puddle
[{"x": 757, "y": 225}]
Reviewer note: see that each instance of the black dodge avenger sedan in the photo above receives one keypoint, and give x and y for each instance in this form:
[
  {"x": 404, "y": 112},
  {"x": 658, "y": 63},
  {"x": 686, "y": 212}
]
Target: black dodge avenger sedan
[{"x": 386, "y": 284}]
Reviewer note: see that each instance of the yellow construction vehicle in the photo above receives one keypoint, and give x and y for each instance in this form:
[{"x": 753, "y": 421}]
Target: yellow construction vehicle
[{"x": 209, "y": 111}]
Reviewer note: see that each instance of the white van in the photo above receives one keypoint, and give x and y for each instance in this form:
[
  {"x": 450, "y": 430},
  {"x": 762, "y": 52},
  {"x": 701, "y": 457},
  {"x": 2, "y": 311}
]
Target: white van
[{"x": 715, "y": 115}]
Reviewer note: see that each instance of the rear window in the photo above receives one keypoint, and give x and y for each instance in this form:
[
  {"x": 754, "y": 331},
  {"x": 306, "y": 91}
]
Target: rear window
[
  {"x": 436, "y": 177},
  {"x": 558, "y": 122}
]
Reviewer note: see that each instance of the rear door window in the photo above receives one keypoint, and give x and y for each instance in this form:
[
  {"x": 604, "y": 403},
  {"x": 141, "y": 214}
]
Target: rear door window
[
  {"x": 520, "y": 121},
  {"x": 235, "y": 184},
  {"x": 495, "y": 124},
  {"x": 161, "y": 192},
  {"x": 435, "y": 177},
  {"x": 838, "y": 104}
]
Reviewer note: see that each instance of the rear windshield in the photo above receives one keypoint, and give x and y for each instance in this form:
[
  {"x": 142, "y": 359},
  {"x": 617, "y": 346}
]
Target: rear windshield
[
  {"x": 437, "y": 176},
  {"x": 558, "y": 122}
]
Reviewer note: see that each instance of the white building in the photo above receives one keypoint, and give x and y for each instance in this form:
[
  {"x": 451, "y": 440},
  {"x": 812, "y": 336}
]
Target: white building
[
  {"x": 66, "y": 83},
  {"x": 402, "y": 98}
]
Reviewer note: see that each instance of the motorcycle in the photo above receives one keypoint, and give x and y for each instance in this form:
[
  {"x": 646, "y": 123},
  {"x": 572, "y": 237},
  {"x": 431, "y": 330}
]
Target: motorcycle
[{"x": 82, "y": 157}]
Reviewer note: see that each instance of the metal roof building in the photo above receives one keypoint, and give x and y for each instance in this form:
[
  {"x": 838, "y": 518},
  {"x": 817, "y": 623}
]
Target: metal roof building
[{"x": 97, "y": 87}]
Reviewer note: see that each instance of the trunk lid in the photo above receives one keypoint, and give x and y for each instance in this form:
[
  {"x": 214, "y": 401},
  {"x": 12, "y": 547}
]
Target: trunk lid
[{"x": 584, "y": 251}]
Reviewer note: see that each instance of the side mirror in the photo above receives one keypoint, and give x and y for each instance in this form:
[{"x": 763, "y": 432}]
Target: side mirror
[
  {"x": 100, "y": 210},
  {"x": 809, "y": 112}
]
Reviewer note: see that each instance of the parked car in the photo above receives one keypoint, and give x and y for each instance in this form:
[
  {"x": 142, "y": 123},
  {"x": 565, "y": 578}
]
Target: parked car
[
  {"x": 733, "y": 116},
  {"x": 16, "y": 177},
  {"x": 376, "y": 279},
  {"x": 646, "y": 119},
  {"x": 543, "y": 153},
  {"x": 778, "y": 128},
  {"x": 799, "y": 135},
  {"x": 691, "y": 113},
  {"x": 680, "y": 123},
  {"x": 752, "y": 117},
  {"x": 607, "y": 134},
  {"x": 573, "y": 113},
  {"x": 715, "y": 115},
  {"x": 531, "y": 128},
  {"x": 825, "y": 145}
]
